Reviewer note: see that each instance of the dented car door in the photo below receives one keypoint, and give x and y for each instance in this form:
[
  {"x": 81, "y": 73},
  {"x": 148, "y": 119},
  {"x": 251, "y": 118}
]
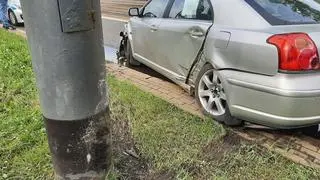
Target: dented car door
[{"x": 181, "y": 35}]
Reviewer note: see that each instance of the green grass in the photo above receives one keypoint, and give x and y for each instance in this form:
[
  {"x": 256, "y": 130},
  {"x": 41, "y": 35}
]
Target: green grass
[
  {"x": 168, "y": 139},
  {"x": 23, "y": 144}
]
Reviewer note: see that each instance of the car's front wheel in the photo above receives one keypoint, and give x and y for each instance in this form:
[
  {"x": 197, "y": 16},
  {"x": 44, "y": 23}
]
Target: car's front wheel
[{"x": 211, "y": 96}]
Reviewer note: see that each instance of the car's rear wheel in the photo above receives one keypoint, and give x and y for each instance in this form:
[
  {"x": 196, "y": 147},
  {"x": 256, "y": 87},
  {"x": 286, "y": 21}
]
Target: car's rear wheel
[
  {"x": 211, "y": 96},
  {"x": 130, "y": 61},
  {"x": 13, "y": 18}
]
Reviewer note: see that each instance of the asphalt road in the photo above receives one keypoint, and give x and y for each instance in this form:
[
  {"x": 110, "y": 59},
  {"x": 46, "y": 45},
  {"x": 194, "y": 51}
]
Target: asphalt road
[{"x": 111, "y": 30}]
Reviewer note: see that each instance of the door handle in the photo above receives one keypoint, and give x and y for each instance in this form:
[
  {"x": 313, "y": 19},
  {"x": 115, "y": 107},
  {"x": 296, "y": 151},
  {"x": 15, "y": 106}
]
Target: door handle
[{"x": 196, "y": 33}]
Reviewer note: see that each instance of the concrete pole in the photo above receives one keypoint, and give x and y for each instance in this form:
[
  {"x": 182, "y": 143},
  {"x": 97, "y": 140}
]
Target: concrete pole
[{"x": 66, "y": 44}]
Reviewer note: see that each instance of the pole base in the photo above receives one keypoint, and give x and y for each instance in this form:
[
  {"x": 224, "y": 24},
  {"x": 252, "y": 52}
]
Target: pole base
[{"x": 81, "y": 149}]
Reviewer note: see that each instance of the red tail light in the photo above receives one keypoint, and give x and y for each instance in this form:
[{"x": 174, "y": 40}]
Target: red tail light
[{"x": 297, "y": 52}]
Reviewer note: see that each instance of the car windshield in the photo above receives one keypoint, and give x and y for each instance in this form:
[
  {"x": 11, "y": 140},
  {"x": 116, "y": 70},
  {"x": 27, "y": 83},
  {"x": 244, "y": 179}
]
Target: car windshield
[{"x": 288, "y": 12}]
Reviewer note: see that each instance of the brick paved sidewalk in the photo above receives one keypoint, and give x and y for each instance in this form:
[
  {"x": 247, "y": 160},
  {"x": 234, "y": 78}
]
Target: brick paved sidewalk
[
  {"x": 294, "y": 146},
  {"x": 119, "y": 8}
]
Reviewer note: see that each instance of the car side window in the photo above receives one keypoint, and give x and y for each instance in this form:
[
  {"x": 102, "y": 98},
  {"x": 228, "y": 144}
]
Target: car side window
[
  {"x": 191, "y": 9},
  {"x": 155, "y": 8}
]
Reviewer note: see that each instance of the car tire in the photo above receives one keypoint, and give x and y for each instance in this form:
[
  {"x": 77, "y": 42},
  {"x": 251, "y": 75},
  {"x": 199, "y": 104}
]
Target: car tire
[
  {"x": 130, "y": 61},
  {"x": 210, "y": 95},
  {"x": 13, "y": 18}
]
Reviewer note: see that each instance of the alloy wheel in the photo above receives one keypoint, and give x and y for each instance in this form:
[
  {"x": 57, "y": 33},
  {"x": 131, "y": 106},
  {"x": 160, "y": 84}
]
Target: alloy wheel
[{"x": 211, "y": 93}]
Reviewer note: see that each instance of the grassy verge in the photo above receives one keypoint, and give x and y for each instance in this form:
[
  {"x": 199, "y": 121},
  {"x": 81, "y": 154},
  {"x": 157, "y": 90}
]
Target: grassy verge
[
  {"x": 152, "y": 139},
  {"x": 23, "y": 146}
]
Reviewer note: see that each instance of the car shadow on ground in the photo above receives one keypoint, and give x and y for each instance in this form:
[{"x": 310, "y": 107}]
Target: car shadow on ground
[
  {"x": 312, "y": 131},
  {"x": 146, "y": 70}
]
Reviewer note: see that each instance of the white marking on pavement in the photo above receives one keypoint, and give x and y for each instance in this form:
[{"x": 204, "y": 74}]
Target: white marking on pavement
[{"x": 114, "y": 19}]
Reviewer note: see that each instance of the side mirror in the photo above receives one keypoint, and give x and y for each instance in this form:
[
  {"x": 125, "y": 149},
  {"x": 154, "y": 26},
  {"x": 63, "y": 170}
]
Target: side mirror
[{"x": 134, "y": 12}]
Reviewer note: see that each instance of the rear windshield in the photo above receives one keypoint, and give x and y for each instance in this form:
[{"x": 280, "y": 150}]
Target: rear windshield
[{"x": 288, "y": 12}]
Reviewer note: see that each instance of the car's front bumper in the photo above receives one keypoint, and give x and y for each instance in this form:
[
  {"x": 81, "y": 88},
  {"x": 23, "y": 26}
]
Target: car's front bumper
[{"x": 281, "y": 101}]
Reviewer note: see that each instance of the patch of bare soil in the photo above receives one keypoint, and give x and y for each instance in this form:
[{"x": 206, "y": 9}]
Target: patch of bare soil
[
  {"x": 215, "y": 151},
  {"x": 127, "y": 160},
  {"x": 163, "y": 175},
  {"x": 212, "y": 153},
  {"x": 128, "y": 163}
]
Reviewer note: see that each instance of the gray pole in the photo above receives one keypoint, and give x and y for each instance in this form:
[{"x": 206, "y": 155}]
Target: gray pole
[{"x": 66, "y": 44}]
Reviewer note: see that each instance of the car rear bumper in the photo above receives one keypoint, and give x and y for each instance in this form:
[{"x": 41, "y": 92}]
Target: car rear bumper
[{"x": 281, "y": 101}]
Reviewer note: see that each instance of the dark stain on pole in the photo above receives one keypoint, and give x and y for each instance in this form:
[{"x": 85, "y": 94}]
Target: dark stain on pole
[{"x": 78, "y": 147}]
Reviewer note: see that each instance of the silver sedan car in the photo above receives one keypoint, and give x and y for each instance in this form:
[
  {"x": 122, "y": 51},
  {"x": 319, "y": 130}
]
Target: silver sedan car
[{"x": 252, "y": 60}]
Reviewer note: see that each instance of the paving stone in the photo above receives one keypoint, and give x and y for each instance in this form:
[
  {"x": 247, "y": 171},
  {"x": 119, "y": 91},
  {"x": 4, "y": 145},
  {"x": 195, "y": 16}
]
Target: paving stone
[
  {"x": 296, "y": 146},
  {"x": 268, "y": 144},
  {"x": 244, "y": 135},
  {"x": 283, "y": 143},
  {"x": 187, "y": 100},
  {"x": 154, "y": 86},
  {"x": 294, "y": 158},
  {"x": 307, "y": 145},
  {"x": 310, "y": 152},
  {"x": 269, "y": 135},
  {"x": 177, "y": 102},
  {"x": 143, "y": 83},
  {"x": 165, "y": 91},
  {"x": 155, "y": 92},
  {"x": 119, "y": 8},
  {"x": 178, "y": 94},
  {"x": 298, "y": 153},
  {"x": 317, "y": 161},
  {"x": 173, "y": 87},
  {"x": 165, "y": 96},
  {"x": 189, "y": 106},
  {"x": 196, "y": 107},
  {"x": 142, "y": 76}
]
